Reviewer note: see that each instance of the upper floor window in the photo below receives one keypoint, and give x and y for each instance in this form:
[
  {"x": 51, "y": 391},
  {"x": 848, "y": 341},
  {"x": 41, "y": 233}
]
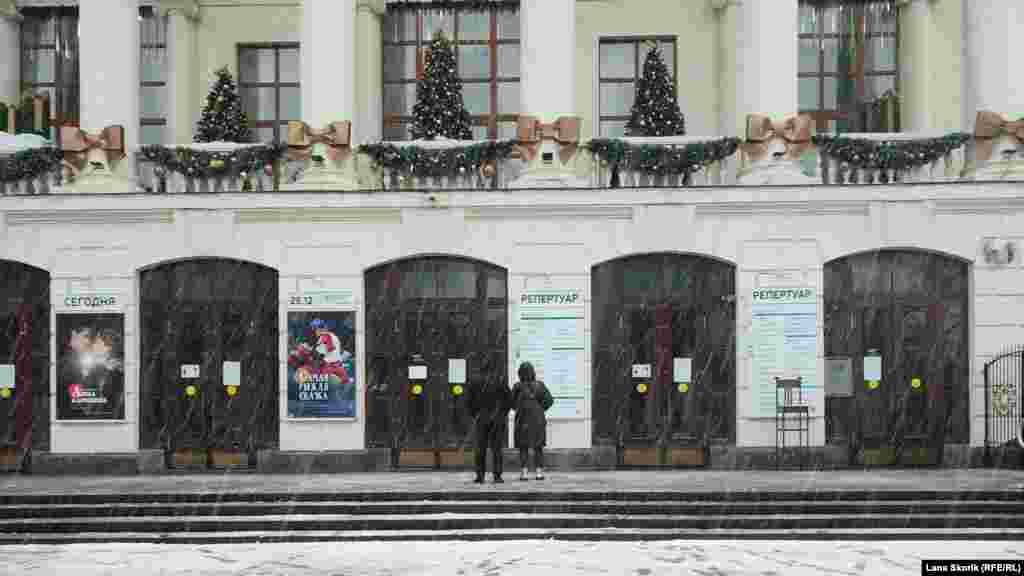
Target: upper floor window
[
  {"x": 620, "y": 67},
  {"x": 268, "y": 82},
  {"x": 487, "y": 53},
  {"x": 848, "y": 64},
  {"x": 152, "y": 76},
  {"x": 49, "y": 60}
]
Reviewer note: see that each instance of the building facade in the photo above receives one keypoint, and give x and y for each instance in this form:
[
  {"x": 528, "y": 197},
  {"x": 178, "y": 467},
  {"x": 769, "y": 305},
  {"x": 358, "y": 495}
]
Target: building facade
[{"x": 338, "y": 324}]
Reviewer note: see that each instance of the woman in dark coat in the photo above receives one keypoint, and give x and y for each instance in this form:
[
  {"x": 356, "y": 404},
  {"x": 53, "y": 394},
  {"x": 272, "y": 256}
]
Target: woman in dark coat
[
  {"x": 528, "y": 400},
  {"x": 488, "y": 404}
]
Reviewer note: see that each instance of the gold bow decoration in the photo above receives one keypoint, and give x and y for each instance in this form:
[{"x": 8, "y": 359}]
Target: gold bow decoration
[
  {"x": 795, "y": 130},
  {"x": 337, "y": 137},
  {"x": 988, "y": 127},
  {"x": 79, "y": 146},
  {"x": 565, "y": 131}
]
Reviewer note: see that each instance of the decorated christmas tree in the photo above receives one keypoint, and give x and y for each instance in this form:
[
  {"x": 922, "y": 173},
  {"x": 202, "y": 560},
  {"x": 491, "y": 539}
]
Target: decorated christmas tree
[
  {"x": 223, "y": 119},
  {"x": 439, "y": 110},
  {"x": 655, "y": 108}
]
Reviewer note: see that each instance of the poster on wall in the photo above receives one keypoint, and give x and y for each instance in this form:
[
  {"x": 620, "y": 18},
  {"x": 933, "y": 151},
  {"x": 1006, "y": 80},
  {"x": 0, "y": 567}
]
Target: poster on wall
[
  {"x": 321, "y": 364},
  {"x": 784, "y": 344},
  {"x": 90, "y": 366},
  {"x": 551, "y": 337}
]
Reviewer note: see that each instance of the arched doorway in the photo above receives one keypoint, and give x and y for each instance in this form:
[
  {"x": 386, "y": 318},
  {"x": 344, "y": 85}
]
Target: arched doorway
[
  {"x": 24, "y": 362},
  {"x": 898, "y": 319},
  {"x": 209, "y": 361},
  {"x": 664, "y": 377},
  {"x": 435, "y": 325}
]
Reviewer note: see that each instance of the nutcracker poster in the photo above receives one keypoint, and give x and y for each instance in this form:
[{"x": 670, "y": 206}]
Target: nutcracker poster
[
  {"x": 90, "y": 366},
  {"x": 321, "y": 365}
]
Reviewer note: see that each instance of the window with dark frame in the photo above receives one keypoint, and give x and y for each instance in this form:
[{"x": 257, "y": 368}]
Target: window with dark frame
[
  {"x": 152, "y": 76},
  {"x": 49, "y": 60},
  {"x": 268, "y": 84},
  {"x": 620, "y": 66},
  {"x": 826, "y": 31},
  {"x": 486, "y": 50}
]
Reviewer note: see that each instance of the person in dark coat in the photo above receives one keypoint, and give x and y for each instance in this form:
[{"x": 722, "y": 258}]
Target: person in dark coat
[
  {"x": 528, "y": 400},
  {"x": 488, "y": 405}
]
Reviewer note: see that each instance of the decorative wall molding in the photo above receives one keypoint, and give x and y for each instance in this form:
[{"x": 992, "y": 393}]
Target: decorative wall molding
[
  {"x": 720, "y": 5},
  {"x": 319, "y": 215},
  {"x": 979, "y": 206},
  {"x": 89, "y": 217},
  {"x": 377, "y": 7},
  {"x": 809, "y": 208},
  {"x": 187, "y": 8},
  {"x": 610, "y": 213}
]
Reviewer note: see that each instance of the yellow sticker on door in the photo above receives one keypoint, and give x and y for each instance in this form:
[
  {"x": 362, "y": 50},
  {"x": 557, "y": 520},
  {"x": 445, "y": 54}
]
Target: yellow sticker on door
[
  {"x": 684, "y": 388},
  {"x": 915, "y": 383},
  {"x": 641, "y": 388},
  {"x": 873, "y": 384},
  {"x": 190, "y": 390},
  {"x": 232, "y": 390}
]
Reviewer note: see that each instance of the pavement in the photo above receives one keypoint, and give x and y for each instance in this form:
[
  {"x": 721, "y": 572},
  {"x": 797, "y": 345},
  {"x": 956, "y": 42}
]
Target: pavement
[{"x": 937, "y": 480}]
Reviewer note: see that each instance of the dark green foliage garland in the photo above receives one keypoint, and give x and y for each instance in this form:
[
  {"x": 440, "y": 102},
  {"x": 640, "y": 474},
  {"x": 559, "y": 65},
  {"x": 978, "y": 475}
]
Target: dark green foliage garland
[
  {"x": 656, "y": 109},
  {"x": 880, "y": 155},
  {"x": 419, "y": 161},
  {"x": 29, "y": 164},
  {"x": 454, "y": 5},
  {"x": 662, "y": 158},
  {"x": 203, "y": 164},
  {"x": 439, "y": 109}
]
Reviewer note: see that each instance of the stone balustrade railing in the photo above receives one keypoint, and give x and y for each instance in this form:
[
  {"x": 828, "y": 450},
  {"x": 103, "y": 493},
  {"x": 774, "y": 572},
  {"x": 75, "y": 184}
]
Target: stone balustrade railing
[
  {"x": 29, "y": 165},
  {"x": 720, "y": 171},
  {"x": 870, "y": 158},
  {"x": 156, "y": 178}
]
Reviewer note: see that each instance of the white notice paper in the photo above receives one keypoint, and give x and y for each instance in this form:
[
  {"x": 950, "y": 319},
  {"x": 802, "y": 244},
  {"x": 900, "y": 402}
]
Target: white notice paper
[
  {"x": 872, "y": 368},
  {"x": 417, "y": 372},
  {"x": 456, "y": 370},
  {"x": 6, "y": 375},
  {"x": 682, "y": 370},
  {"x": 233, "y": 374}
]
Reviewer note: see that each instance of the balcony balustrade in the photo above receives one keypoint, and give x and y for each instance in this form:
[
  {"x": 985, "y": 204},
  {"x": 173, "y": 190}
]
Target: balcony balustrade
[
  {"x": 29, "y": 165},
  {"x": 870, "y": 157}
]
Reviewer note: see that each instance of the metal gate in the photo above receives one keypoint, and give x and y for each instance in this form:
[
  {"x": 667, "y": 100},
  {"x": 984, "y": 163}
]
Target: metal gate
[{"x": 1004, "y": 411}]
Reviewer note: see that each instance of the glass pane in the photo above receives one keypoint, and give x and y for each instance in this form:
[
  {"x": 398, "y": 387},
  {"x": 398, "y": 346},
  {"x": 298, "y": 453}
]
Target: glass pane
[
  {"x": 282, "y": 133},
  {"x": 808, "y": 19},
  {"x": 508, "y": 25},
  {"x": 399, "y": 63},
  {"x": 151, "y": 102},
  {"x": 259, "y": 103},
  {"x": 479, "y": 132},
  {"x": 508, "y": 60},
  {"x": 613, "y": 128},
  {"x": 69, "y": 102},
  {"x": 396, "y": 133},
  {"x": 474, "y": 61},
  {"x": 291, "y": 103},
  {"x": 474, "y": 26},
  {"x": 883, "y": 51},
  {"x": 291, "y": 70},
  {"x": 880, "y": 18},
  {"x": 618, "y": 61},
  {"x": 477, "y": 98},
  {"x": 832, "y": 20},
  {"x": 399, "y": 27},
  {"x": 877, "y": 86},
  {"x": 668, "y": 55},
  {"x": 38, "y": 29},
  {"x": 808, "y": 56},
  {"x": 831, "y": 48},
  {"x": 506, "y": 130},
  {"x": 616, "y": 99},
  {"x": 434, "y": 22},
  {"x": 808, "y": 90},
  {"x": 509, "y": 98},
  {"x": 265, "y": 135},
  {"x": 151, "y": 135},
  {"x": 256, "y": 65},
  {"x": 399, "y": 98},
  {"x": 153, "y": 65},
  {"x": 38, "y": 66},
  {"x": 831, "y": 91}
]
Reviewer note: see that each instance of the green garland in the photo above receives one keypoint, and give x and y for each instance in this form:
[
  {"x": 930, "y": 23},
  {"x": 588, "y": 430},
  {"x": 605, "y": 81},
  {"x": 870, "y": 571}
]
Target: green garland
[
  {"x": 29, "y": 164},
  {"x": 662, "y": 159},
  {"x": 453, "y": 5},
  {"x": 417, "y": 161},
  {"x": 888, "y": 155},
  {"x": 204, "y": 164}
]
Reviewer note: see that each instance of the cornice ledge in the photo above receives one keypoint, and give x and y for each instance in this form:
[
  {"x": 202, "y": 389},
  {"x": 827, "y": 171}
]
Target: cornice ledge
[
  {"x": 801, "y": 208},
  {"x": 50, "y": 217},
  {"x": 978, "y": 205},
  {"x": 318, "y": 215},
  {"x": 585, "y": 212}
]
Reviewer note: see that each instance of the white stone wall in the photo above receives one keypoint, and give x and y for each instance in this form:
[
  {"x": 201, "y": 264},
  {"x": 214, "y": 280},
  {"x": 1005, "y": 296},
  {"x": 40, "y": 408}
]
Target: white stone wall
[{"x": 774, "y": 236}]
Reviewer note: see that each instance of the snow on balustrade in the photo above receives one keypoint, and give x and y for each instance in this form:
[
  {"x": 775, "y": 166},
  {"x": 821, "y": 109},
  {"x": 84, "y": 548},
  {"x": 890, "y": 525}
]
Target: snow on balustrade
[
  {"x": 891, "y": 157},
  {"x": 29, "y": 164},
  {"x": 712, "y": 159},
  {"x": 206, "y": 167}
]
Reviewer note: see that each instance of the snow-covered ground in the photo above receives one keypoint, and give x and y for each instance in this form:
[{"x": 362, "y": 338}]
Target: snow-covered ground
[{"x": 527, "y": 558}]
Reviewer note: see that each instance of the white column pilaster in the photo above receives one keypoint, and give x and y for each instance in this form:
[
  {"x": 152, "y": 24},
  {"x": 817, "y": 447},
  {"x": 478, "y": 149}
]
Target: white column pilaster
[
  {"x": 995, "y": 40},
  {"x": 370, "y": 85},
  {"x": 10, "y": 52},
  {"x": 109, "y": 70},
  {"x": 328, "y": 61},
  {"x": 726, "y": 60},
  {"x": 548, "y": 58},
  {"x": 182, "y": 108},
  {"x": 766, "y": 59},
  {"x": 915, "y": 65}
]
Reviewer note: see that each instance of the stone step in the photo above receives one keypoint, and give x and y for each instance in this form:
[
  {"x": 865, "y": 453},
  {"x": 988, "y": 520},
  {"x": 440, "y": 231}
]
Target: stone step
[
  {"x": 451, "y": 521},
  {"x": 644, "y": 508},
  {"x": 574, "y": 534}
]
